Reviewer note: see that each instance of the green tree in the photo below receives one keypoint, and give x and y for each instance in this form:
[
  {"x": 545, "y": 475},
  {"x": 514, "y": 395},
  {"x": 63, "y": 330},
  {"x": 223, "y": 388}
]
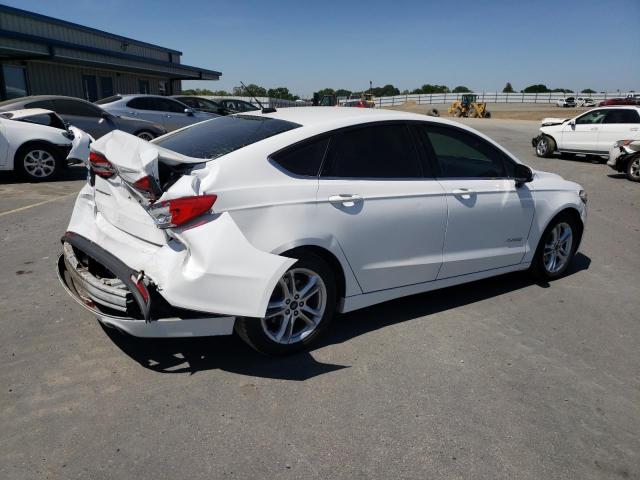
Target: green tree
[
  {"x": 387, "y": 91},
  {"x": 428, "y": 88},
  {"x": 588, "y": 90},
  {"x": 508, "y": 88},
  {"x": 562, "y": 90},
  {"x": 538, "y": 88},
  {"x": 341, "y": 92},
  {"x": 197, "y": 91},
  {"x": 461, "y": 89},
  {"x": 326, "y": 91},
  {"x": 256, "y": 90}
]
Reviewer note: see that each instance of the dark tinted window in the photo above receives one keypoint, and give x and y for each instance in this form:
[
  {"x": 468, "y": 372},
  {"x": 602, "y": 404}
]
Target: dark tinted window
[
  {"x": 75, "y": 107},
  {"x": 114, "y": 98},
  {"x": 622, "y": 115},
  {"x": 46, "y": 104},
  {"x": 191, "y": 102},
  {"x": 214, "y": 138},
  {"x": 169, "y": 105},
  {"x": 380, "y": 151},
  {"x": 304, "y": 159},
  {"x": 462, "y": 154}
]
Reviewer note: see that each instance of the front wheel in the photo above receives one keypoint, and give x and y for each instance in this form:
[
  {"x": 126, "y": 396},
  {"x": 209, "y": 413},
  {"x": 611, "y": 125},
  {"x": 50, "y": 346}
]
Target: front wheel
[
  {"x": 144, "y": 135},
  {"x": 556, "y": 248},
  {"x": 545, "y": 146},
  {"x": 633, "y": 169},
  {"x": 299, "y": 310},
  {"x": 37, "y": 163}
]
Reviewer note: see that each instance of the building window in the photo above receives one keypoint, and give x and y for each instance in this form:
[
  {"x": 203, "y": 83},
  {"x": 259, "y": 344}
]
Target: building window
[
  {"x": 15, "y": 81},
  {"x": 90, "y": 87},
  {"x": 143, "y": 86},
  {"x": 106, "y": 87}
]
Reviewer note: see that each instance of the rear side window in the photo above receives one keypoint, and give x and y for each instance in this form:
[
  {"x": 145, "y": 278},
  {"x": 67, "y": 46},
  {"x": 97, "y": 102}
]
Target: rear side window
[
  {"x": 73, "y": 107},
  {"x": 304, "y": 159},
  {"x": 142, "y": 103},
  {"x": 213, "y": 138},
  {"x": 461, "y": 154},
  {"x": 380, "y": 151},
  {"x": 622, "y": 115}
]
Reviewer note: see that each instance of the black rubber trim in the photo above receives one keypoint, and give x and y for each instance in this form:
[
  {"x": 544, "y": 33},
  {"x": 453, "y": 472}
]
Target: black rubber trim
[{"x": 115, "y": 266}]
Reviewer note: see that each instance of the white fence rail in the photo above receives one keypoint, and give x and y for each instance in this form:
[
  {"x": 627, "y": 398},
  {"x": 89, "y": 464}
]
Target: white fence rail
[{"x": 492, "y": 97}]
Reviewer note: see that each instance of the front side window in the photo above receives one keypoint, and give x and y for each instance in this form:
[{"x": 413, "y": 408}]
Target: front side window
[
  {"x": 213, "y": 138},
  {"x": 589, "y": 118},
  {"x": 622, "y": 115},
  {"x": 304, "y": 159},
  {"x": 377, "y": 151},
  {"x": 461, "y": 154}
]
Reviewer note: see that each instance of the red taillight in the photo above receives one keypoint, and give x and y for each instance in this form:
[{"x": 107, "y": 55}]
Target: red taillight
[
  {"x": 147, "y": 186},
  {"x": 101, "y": 166},
  {"x": 172, "y": 213}
]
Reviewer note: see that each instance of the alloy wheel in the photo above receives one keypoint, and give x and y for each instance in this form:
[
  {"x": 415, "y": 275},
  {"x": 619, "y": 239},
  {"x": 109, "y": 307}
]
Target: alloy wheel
[
  {"x": 542, "y": 146},
  {"x": 557, "y": 248},
  {"x": 39, "y": 163},
  {"x": 634, "y": 168},
  {"x": 296, "y": 307}
]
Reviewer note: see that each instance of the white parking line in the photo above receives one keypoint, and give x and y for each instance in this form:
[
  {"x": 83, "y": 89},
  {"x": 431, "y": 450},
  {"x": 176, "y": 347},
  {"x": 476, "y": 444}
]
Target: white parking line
[{"x": 27, "y": 207}]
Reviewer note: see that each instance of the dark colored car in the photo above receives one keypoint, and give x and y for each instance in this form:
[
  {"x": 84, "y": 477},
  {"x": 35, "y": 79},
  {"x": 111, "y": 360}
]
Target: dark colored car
[
  {"x": 202, "y": 104},
  {"x": 86, "y": 116},
  {"x": 235, "y": 106}
]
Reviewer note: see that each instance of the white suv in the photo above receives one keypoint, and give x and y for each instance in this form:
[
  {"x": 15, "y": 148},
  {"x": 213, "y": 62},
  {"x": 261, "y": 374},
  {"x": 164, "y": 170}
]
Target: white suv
[{"x": 592, "y": 133}]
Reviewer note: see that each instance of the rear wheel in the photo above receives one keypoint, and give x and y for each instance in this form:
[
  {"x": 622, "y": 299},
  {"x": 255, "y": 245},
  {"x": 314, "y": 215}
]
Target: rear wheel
[
  {"x": 633, "y": 169},
  {"x": 556, "y": 248},
  {"x": 299, "y": 310},
  {"x": 37, "y": 162},
  {"x": 145, "y": 135},
  {"x": 457, "y": 112},
  {"x": 487, "y": 114},
  {"x": 545, "y": 146}
]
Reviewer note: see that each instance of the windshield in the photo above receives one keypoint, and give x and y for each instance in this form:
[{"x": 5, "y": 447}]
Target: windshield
[{"x": 219, "y": 136}]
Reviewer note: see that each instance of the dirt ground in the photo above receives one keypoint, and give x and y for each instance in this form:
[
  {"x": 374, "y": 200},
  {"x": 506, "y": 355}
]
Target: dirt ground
[{"x": 513, "y": 111}]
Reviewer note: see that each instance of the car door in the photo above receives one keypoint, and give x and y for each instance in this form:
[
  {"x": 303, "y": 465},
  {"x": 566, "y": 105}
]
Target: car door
[
  {"x": 83, "y": 115},
  {"x": 581, "y": 134},
  {"x": 146, "y": 108},
  {"x": 388, "y": 219},
  {"x": 489, "y": 217},
  {"x": 174, "y": 114},
  {"x": 618, "y": 124}
]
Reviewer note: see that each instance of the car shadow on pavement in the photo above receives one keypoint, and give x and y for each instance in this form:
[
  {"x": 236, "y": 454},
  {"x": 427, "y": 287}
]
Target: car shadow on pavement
[
  {"x": 73, "y": 172},
  {"x": 191, "y": 355}
]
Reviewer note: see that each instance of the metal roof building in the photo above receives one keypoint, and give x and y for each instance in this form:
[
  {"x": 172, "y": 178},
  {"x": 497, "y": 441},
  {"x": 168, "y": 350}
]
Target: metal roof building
[{"x": 45, "y": 55}]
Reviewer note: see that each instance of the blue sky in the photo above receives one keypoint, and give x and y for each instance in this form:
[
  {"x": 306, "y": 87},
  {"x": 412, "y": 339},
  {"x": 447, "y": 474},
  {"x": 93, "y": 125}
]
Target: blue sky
[{"x": 306, "y": 46}]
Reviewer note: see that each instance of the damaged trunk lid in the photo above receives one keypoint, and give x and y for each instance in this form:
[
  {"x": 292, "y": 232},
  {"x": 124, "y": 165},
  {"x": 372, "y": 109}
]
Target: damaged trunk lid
[{"x": 130, "y": 175}]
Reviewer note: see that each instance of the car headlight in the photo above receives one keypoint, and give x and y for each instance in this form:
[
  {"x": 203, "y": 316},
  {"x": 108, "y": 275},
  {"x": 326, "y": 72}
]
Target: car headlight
[{"x": 583, "y": 196}]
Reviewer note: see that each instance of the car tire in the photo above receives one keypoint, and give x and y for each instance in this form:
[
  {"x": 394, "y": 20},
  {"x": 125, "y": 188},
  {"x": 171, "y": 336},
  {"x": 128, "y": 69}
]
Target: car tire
[
  {"x": 145, "y": 135},
  {"x": 37, "y": 162},
  {"x": 457, "y": 112},
  {"x": 291, "y": 325},
  {"x": 633, "y": 169},
  {"x": 545, "y": 146},
  {"x": 555, "y": 252},
  {"x": 487, "y": 114}
]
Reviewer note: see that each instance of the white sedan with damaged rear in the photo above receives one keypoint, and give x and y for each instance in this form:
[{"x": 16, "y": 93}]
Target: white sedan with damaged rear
[{"x": 269, "y": 223}]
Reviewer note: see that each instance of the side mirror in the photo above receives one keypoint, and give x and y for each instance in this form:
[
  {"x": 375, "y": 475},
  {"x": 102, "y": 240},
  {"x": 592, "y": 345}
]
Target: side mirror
[
  {"x": 572, "y": 123},
  {"x": 523, "y": 174},
  {"x": 189, "y": 111}
]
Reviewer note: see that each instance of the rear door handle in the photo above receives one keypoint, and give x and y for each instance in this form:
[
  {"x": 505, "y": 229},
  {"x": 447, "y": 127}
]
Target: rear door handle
[{"x": 346, "y": 199}]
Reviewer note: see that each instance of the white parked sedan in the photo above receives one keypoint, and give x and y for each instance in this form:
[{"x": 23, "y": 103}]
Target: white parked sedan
[
  {"x": 270, "y": 223},
  {"x": 592, "y": 133},
  {"x": 35, "y": 142}
]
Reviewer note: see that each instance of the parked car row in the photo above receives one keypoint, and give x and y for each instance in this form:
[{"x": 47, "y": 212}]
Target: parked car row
[
  {"x": 606, "y": 132},
  {"x": 576, "y": 102}
]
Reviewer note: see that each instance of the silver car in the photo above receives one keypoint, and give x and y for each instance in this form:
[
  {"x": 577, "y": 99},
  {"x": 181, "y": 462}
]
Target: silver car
[
  {"x": 170, "y": 113},
  {"x": 86, "y": 116}
]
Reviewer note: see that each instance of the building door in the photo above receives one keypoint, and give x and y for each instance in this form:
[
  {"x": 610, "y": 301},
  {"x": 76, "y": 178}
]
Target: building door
[
  {"x": 90, "y": 87},
  {"x": 143, "y": 86},
  {"x": 106, "y": 87}
]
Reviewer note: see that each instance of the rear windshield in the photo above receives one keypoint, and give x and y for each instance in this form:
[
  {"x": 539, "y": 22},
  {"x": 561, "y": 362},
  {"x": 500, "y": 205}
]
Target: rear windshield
[
  {"x": 111, "y": 99},
  {"x": 213, "y": 138}
]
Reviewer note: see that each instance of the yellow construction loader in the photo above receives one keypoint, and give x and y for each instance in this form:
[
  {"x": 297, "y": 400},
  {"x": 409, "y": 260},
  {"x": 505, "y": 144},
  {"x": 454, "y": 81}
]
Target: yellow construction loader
[{"x": 468, "y": 107}]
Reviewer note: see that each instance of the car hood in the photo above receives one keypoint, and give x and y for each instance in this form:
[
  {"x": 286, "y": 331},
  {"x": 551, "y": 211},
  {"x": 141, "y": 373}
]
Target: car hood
[{"x": 547, "y": 122}]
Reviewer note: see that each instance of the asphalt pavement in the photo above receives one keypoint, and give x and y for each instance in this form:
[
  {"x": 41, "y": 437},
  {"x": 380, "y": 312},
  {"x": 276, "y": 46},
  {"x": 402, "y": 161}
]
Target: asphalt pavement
[{"x": 498, "y": 379}]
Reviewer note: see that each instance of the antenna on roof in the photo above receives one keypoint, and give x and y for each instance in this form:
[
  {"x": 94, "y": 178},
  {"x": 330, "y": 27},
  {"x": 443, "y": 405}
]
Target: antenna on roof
[{"x": 264, "y": 110}]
